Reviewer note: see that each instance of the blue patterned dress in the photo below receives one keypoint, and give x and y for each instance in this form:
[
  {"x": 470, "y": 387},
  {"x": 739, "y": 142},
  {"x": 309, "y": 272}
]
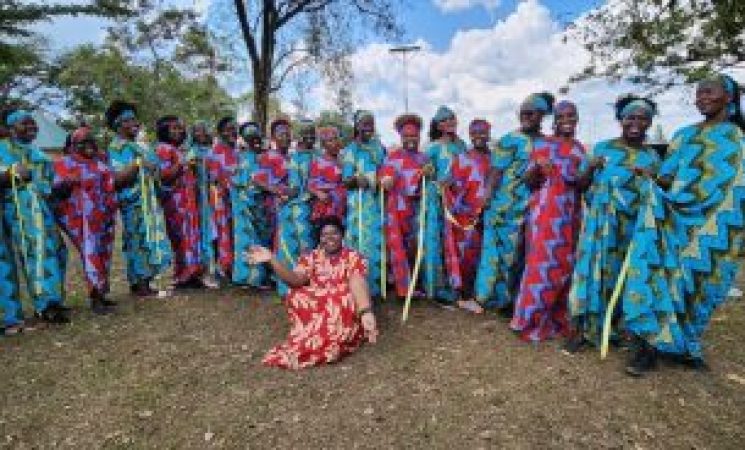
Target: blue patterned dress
[
  {"x": 688, "y": 241},
  {"x": 8, "y": 280},
  {"x": 250, "y": 224},
  {"x": 364, "y": 216},
  {"x": 297, "y": 235},
  {"x": 198, "y": 154},
  {"x": 144, "y": 240},
  {"x": 503, "y": 256},
  {"x": 613, "y": 201},
  {"x": 34, "y": 239}
]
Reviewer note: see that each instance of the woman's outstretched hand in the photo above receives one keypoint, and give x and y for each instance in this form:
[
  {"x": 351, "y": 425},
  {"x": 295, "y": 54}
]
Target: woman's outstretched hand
[
  {"x": 258, "y": 254},
  {"x": 370, "y": 327}
]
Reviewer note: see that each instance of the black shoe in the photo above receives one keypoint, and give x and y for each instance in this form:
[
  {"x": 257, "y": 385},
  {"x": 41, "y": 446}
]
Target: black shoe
[
  {"x": 98, "y": 307},
  {"x": 576, "y": 343},
  {"x": 55, "y": 313},
  {"x": 696, "y": 363},
  {"x": 110, "y": 303},
  {"x": 643, "y": 359}
]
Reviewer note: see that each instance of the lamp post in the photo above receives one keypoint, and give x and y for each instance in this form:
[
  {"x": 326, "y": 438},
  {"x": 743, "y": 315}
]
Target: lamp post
[{"x": 404, "y": 50}]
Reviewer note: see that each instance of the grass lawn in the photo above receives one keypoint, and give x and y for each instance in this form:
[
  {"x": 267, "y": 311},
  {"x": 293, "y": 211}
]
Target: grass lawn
[{"x": 185, "y": 373}]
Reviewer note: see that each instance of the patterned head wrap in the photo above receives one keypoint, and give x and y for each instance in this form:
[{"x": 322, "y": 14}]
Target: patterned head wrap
[
  {"x": 307, "y": 126},
  {"x": 443, "y": 113},
  {"x": 643, "y": 105},
  {"x": 328, "y": 133},
  {"x": 250, "y": 129},
  {"x": 542, "y": 102},
  {"x": 203, "y": 124},
  {"x": 564, "y": 105},
  {"x": 730, "y": 86},
  {"x": 278, "y": 124},
  {"x": 479, "y": 126},
  {"x": 118, "y": 112},
  {"x": 408, "y": 125},
  {"x": 17, "y": 116}
]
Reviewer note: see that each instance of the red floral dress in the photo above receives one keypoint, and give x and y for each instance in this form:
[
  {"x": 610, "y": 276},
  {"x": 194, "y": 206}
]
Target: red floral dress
[{"x": 324, "y": 325}]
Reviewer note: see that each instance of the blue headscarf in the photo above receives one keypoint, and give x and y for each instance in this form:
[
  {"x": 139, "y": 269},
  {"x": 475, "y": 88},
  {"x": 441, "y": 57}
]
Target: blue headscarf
[
  {"x": 539, "y": 102},
  {"x": 17, "y": 116},
  {"x": 730, "y": 87},
  {"x": 443, "y": 113},
  {"x": 635, "y": 105}
]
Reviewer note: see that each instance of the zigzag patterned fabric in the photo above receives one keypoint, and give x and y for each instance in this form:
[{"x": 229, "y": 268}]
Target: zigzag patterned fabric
[
  {"x": 37, "y": 245},
  {"x": 612, "y": 204},
  {"x": 364, "y": 218},
  {"x": 198, "y": 154},
  {"x": 502, "y": 256},
  {"x": 250, "y": 227},
  {"x": 221, "y": 164},
  {"x": 436, "y": 285},
  {"x": 144, "y": 243},
  {"x": 551, "y": 229},
  {"x": 687, "y": 240}
]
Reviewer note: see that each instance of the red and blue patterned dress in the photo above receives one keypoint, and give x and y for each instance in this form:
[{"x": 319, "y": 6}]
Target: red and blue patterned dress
[
  {"x": 88, "y": 215},
  {"x": 181, "y": 209},
  {"x": 464, "y": 203},
  {"x": 325, "y": 176},
  {"x": 403, "y": 201},
  {"x": 551, "y": 229},
  {"x": 221, "y": 164}
]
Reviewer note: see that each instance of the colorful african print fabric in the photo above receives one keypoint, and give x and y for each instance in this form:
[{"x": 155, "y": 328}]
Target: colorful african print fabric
[
  {"x": 324, "y": 326},
  {"x": 221, "y": 164},
  {"x": 35, "y": 241},
  {"x": 612, "y": 201},
  {"x": 402, "y": 203},
  {"x": 198, "y": 157},
  {"x": 502, "y": 254},
  {"x": 325, "y": 176},
  {"x": 273, "y": 172},
  {"x": 144, "y": 240},
  {"x": 250, "y": 222},
  {"x": 88, "y": 215},
  {"x": 551, "y": 228},
  {"x": 440, "y": 156},
  {"x": 297, "y": 235},
  {"x": 688, "y": 240},
  {"x": 181, "y": 209},
  {"x": 12, "y": 314},
  {"x": 463, "y": 204},
  {"x": 364, "y": 215}
]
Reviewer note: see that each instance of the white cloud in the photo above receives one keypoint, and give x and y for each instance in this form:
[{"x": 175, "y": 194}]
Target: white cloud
[
  {"x": 459, "y": 5},
  {"x": 487, "y": 72}
]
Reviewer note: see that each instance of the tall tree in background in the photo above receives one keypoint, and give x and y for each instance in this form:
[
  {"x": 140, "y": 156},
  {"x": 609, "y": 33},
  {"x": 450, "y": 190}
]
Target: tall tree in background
[
  {"x": 22, "y": 62},
  {"x": 281, "y": 36},
  {"x": 663, "y": 42}
]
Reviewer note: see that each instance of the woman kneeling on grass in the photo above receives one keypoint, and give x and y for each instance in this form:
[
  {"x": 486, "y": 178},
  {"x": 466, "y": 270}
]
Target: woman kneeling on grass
[{"x": 328, "y": 303}]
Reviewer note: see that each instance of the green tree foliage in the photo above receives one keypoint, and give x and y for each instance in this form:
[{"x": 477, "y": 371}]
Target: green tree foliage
[
  {"x": 22, "y": 63},
  {"x": 664, "y": 42},
  {"x": 279, "y": 37}
]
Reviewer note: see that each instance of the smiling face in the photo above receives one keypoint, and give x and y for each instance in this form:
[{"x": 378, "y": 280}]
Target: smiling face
[
  {"x": 308, "y": 138},
  {"x": 711, "y": 99},
  {"x": 330, "y": 239},
  {"x": 366, "y": 129},
  {"x": 254, "y": 143},
  {"x": 565, "y": 122},
  {"x": 479, "y": 139},
  {"x": 282, "y": 137},
  {"x": 201, "y": 136},
  {"x": 332, "y": 146},
  {"x": 26, "y": 130},
  {"x": 176, "y": 132},
  {"x": 229, "y": 133},
  {"x": 530, "y": 120},
  {"x": 128, "y": 128},
  {"x": 635, "y": 125},
  {"x": 448, "y": 126}
]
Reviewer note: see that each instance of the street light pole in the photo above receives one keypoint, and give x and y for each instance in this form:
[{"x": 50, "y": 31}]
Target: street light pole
[{"x": 404, "y": 50}]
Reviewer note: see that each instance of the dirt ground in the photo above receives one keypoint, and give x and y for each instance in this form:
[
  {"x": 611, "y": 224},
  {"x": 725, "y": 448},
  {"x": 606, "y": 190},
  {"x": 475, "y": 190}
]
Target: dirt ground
[{"x": 185, "y": 373}]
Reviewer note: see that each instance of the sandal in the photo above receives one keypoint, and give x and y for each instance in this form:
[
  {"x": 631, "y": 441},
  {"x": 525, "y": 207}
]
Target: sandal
[
  {"x": 12, "y": 330},
  {"x": 470, "y": 305}
]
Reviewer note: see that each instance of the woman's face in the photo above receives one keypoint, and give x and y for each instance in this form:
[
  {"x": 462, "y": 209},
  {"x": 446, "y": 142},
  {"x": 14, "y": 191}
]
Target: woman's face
[
  {"x": 330, "y": 239},
  {"x": 176, "y": 132},
  {"x": 480, "y": 139},
  {"x": 129, "y": 128},
  {"x": 26, "y": 130},
  {"x": 366, "y": 129},
  {"x": 448, "y": 126},
  {"x": 87, "y": 147},
  {"x": 201, "y": 136},
  {"x": 282, "y": 137},
  {"x": 308, "y": 139},
  {"x": 530, "y": 120},
  {"x": 332, "y": 146},
  {"x": 254, "y": 143},
  {"x": 635, "y": 125},
  {"x": 711, "y": 98},
  {"x": 566, "y": 122},
  {"x": 229, "y": 132}
]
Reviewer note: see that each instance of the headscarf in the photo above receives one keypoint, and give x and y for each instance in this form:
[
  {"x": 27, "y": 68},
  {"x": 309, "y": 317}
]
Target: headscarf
[
  {"x": 118, "y": 112},
  {"x": 542, "y": 102},
  {"x": 646, "y": 106},
  {"x": 478, "y": 126},
  {"x": 361, "y": 115},
  {"x": 564, "y": 105},
  {"x": 277, "y": 123},
  {"x": 250, "y": 129},
  {"x": 730, "y": 86},
  {"x": 443, "y": 113},
  {"x": 17, "y": 116},
  {"x": 408, "y": 124},
  {"x": 306, "y": 125}
]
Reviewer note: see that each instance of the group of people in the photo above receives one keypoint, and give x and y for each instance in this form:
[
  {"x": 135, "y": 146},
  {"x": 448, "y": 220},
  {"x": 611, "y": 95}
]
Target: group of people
[{"x": 620, "y": 243}]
